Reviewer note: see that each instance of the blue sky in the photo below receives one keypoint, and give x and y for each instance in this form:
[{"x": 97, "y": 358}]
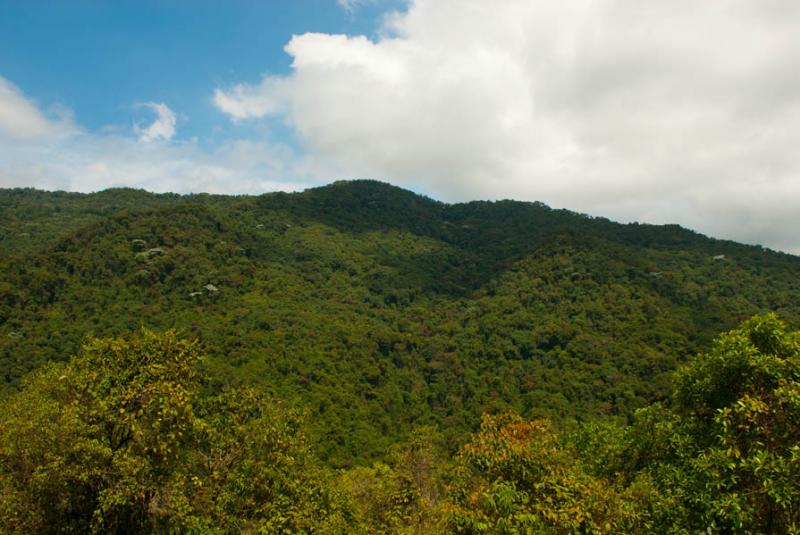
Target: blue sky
[
  {"x": 101, "y": 59},
  {"x": 637, "y": 110}
]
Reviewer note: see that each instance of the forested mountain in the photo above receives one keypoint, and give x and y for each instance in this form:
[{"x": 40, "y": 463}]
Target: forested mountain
[
  {"x": 360, "y": 359},
  {"x": 379, "y": 310}
]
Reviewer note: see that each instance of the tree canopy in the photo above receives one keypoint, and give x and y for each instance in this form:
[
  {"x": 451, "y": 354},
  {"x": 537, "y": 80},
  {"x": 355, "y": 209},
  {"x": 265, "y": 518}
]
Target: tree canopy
[
  {"x": 357, "y": 358},
  {"x": 126, "y": 437},
  {"x": 120, "y": 440},
  {"x": 379, "y": 310}
]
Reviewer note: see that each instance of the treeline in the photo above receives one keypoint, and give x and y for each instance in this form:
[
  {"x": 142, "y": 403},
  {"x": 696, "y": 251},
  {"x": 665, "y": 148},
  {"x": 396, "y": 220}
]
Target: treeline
[{"x": 131, "y": 435}]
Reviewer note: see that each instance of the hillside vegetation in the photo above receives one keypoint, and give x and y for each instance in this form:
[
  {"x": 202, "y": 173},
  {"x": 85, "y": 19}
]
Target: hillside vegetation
[
  {"x": 360, "y": 359},
  {"x": 126, "y": 438},
  {"x": 379, "y": 311}
]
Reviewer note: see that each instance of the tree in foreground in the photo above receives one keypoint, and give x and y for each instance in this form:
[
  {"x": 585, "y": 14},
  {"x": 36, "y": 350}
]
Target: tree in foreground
[
  {"x": 514, "y": 476},
  {"x": 119, "y": 440},
  {"x": 405, "y": 495},
  {"x": 740, "y": 406},
  {"x": 725, "y": 457}
]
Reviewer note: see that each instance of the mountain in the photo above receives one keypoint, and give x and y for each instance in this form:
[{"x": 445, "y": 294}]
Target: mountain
[{"x": 379, "y": 310}]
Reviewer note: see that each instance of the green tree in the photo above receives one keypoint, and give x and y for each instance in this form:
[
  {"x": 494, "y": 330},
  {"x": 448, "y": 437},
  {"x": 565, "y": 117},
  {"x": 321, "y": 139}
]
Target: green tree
[
  {"x": 119, "y": 440},
  {"x": 741, "y": 403},
  {"x": 514, "y": 476},
  {"x": 406, "y": 496},
  {"x": 726, "y": 456}
]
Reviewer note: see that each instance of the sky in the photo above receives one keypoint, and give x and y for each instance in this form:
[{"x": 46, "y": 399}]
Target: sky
[{"x": 637, "y": 110}]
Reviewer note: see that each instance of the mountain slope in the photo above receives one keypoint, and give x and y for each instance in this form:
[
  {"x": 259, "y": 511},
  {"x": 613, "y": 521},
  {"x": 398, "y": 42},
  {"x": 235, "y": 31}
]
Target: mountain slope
[{"x": 380, "y": 310}]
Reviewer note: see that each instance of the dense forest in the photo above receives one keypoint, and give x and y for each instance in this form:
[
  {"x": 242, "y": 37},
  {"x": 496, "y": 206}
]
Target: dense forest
[{"x": 359, "y": 358}]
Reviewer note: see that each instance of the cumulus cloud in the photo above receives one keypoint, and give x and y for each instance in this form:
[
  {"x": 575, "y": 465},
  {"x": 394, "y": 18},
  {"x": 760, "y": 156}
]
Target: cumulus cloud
[
  {"x": 162, "y": 127},
  {"x": 679, "y": 111},
  {"x": 21, "y": 119}
]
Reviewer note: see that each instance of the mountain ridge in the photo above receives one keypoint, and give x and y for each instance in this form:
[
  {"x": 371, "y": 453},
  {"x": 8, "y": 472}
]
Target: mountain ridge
[{"x": 320, "y": 195}]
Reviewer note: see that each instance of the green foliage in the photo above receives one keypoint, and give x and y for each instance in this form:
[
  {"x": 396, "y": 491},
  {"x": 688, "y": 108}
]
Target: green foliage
[
  {"x": 725, "y": 456},
  {"x": 406, "y": 496},
  {"x": 742, "y": 403},
  {"x": 129, "y": 436},
  {"x": 119, "y": 440},
  {"x": 379, "y": 310},
  {"x": 370, "y": 311},
  {"x": 514, "y": 476}
]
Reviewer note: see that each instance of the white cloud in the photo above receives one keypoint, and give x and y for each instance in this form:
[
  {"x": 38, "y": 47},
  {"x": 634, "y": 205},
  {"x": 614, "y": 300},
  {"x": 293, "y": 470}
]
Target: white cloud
[
  {"x": 679, "y": 111},
  {"x": 162, "y": 127},
  {"x": 245, "y": 102},
  {"x": 20, "y": 119},
  {"x": 55, "y": 155},
  {"x": 92, "y": 163}
]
